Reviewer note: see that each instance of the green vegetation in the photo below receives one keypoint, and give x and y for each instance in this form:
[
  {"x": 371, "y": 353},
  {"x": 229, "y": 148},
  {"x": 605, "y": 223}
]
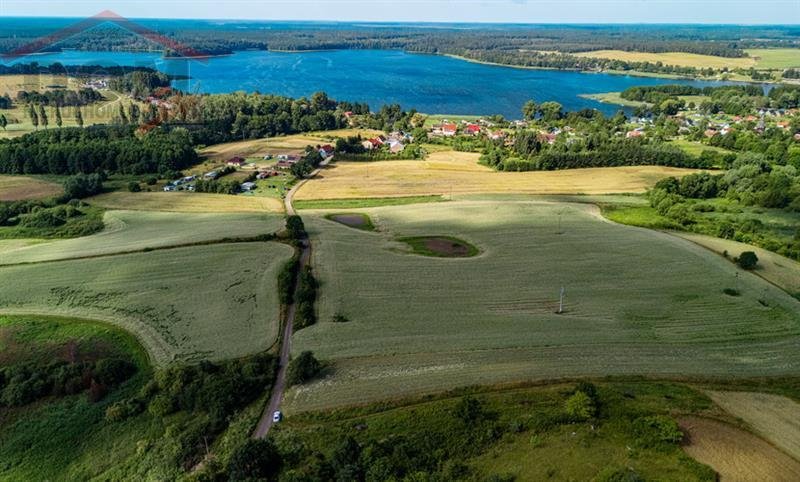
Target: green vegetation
[
  {"x": 517, "y": 434},
  {"x": 129, "y": 231},
  {"x": 303, "y": 368},
  {"x": 354, "y": 203},
  {"x": 354, "y": 220},
  {"x": 775, "y": 58},
  {"x": 497, "y": 322},
  {"x": 440, "y": 246},
  {"x": 46, "y": 219},
  {"x": 184, "y": 304}
]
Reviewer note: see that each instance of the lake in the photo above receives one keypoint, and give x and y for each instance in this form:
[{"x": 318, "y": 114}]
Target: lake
[{"x": 429, "y": 83}]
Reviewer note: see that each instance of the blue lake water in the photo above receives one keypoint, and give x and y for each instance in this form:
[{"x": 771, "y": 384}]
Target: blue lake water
[{"x": 429, "y": 83}]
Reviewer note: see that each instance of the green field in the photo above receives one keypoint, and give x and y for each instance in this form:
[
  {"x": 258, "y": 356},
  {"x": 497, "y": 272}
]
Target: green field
[
  {"x": 128, "y": 231},
  {"x": 697, "y": 148},
  {"x": 775, "y": 58},
  {"x": 207, "y": 302},
  {"x": 637, "y": 302}
]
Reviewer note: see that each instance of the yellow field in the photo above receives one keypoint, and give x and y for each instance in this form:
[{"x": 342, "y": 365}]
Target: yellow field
[
  {"x": 187, "y": 202},
  {"x": 735, "y": 454},
  {"x": 279, "y": 145},
  {"x": 15, "y": 188},
  {"x": 446, "y": 173},
  {"x": 774, "y": 417},
  {"x": 18, "y": 121},
  {"x": 778, "y": 270},
  {"x": 673, "y": 58}
]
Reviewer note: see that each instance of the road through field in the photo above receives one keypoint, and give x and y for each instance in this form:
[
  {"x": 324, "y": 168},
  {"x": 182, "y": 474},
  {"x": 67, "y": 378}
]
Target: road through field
[{"x": 279, "y": 387}]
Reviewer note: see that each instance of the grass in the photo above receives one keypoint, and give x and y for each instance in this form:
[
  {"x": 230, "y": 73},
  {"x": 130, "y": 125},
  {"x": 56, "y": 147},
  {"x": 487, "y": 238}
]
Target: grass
[
  {"x": 128, "y": 231},
  {"x": 775, "y": 58},
  {"x": 774, "y": 417},
  {"x": 673, "y": 58},
  {"x": 736, "y": 454},
  {"x": 440, "y": 246},
  {"x": 88, "y": 220},
  {"x": 697, "y": 148},
  {"x": 354, "y": 220},
  {"x": 457, "y": 173},
  {"x": 528, "y": 444},
  {"x": 16, "y": 188},
  {"x": 637, "y": 302},
  {"x": 187, "y": 202},
  {"x": 643, "y": 216},
  {"x": 185, "y": 304},
  {"x": 436, "y": 119},
  {"x": 613, "y": 98},
  {"x": 364, "y": 202}
]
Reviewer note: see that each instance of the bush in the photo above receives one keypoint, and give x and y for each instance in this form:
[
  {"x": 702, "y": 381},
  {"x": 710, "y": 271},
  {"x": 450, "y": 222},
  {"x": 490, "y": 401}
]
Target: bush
[
  {"x": 747, "y": 260},
  {"x": 255, "y": 460},
  {"x": 303, "y": 368},
  {"x": 580, "y": 406},
  {"x": 295, "y": 227},
  {"x": 134, "y": 186},
  {"x": 82, "y": 185},
  {"x": 657, "y": 430}
]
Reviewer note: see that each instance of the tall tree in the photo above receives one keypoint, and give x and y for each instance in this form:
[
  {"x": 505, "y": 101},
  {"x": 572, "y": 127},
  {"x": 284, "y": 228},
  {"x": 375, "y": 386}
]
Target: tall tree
[
  {"x": 78, "y": 117},
  {"x": 42, "y": 116},
  {"x": 34, "y": 117},
  {"x": 123, "y": 117},
  {"x": 3, "y": 121},
  {"x": 134, "y": 113},
  {"x": 529, "y": 110},
  {"x": 59, "y": 121}
]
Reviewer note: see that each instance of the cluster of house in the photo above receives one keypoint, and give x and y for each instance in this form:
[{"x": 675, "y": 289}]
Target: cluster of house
[
  {"x": 467, "y": 128},
  {"x": 95, "y": 84},
  {"x": 396, "y": 142},
  {"x": 182, "y": 184}
]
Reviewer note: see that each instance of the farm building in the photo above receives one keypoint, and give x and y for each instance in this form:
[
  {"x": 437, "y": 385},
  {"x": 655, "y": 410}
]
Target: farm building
[
  {"x": 236, "y": 161},
  {"x": 326, "y": 151}
]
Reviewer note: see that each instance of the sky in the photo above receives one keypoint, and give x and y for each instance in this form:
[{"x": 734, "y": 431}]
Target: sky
[{"x": 516, "y": 11}]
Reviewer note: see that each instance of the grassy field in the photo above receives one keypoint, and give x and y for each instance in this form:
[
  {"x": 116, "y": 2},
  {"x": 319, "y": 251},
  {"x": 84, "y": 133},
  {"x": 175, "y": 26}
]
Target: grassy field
[
  {"x": 697, "y": 148},
  {"x": 776, "y": 269},
  {"x": 15, "y": 188},
  {"x": 454, "y": 173},
  {"x": 516, "y": 436},
  {"x": 365, "y": 202},
  {"x": 775, "y": 58},
  {"x": 208, "y": 302},
  {"x": 613, "y": 98},
  {"x": 637, "y": 302},
  {"x": 138, "y": 230},
  {"x": 774, "y": 417},
  {"x": 187, "y": 202},
  {"x": 673, "y": 58}
]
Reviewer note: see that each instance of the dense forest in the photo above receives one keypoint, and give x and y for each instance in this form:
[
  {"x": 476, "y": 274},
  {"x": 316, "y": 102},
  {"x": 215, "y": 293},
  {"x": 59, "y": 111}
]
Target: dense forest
[
  {"x": 59, "y": 97},
  {"x": 113, "y": 149}
]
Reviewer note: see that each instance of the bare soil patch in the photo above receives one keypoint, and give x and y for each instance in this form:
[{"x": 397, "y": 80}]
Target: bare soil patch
[
  {"x": 353, "y": 220},
  {"x": 735, "y": 454}
]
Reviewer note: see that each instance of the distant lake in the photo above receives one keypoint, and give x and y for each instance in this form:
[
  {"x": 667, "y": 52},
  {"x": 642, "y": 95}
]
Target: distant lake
[{"x": 429, "y": 83}]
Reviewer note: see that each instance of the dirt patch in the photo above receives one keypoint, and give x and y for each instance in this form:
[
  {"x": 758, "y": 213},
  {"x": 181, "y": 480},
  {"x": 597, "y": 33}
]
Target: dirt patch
[
  {"x": 353, "y": 220},
  {"x": 441, "y": 246},
  {"x": 17, "y": 188},
  {"x": 735, "y": 454}
]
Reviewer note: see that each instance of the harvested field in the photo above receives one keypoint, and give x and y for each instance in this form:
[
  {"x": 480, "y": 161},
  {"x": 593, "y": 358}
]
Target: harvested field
[
  {"x": 775, "y": 58},
  {"x": 673, "y": 58},
  {"x": 735, "y": 454},
  {"x": 450, "y": 173},
  {"x": 137, "y": 230},
  {"x": 187, "y": 202},
  {"x": 637, "y": 302},
  {"x": 185, "y": 304},
  {"x": 355, "y": 220},
  {"x": 776, "y": 269},
  {"x": 774, "y": 417},
  {"x": 16, "y": 188}
]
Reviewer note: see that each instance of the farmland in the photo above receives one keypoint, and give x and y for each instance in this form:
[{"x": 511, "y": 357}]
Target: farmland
[
  {"x": 682, "y": 59},
  {"x": 184, "y": 304},
  {"x": 128, "y": 231},
  {"x": 15, "y": 188},
  {"x": 187, "y": 202},
  {"x": 775, "y": 58},
  {"x": 638, "y": 302},
  {"x": 453, "y": 173}
]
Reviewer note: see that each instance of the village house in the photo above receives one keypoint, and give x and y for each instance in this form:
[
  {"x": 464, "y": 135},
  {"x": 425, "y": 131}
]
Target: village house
[
  {"x": 634, "y": 133},
  {"x": 472, "y": 130},
  {"x": 497, "y": 135},
  {"x": 783, "y": 125},
  {"x": 396, "y": 146},
  {"x": 449, "y": 129},
  {"x": 797, "y": 137},
  {"x": 266, "y": 174},
  {"x": 710, "y": 133},
  {"x": 236, "y": 161},
  {"x": 326, "y": 151},
  {"x": 211, "y": 175}
]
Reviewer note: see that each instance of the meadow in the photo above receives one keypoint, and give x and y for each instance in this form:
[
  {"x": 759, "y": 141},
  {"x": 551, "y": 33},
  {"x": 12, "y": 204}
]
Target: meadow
[
  {"x": 674, "y": 58},
  {"x": 128, "y": 231},
  {"x": 453, "y": 173},
  {"x": 183, "y": 304},
  {"x": 187, "y": 202},
  {"x": 16, "y": 188},
  {"x": 775, "y": 58},
  {"x": 637, "y": 302}
]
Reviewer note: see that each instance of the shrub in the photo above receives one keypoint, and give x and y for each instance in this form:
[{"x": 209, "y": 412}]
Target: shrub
[
  {"x": 580, "y": 406},
  {"x": 614, "y": 474},
  {"x": 731, "y": 292},
  {"x": 303, "y": 368},
  {"x": 295, "y": 227},
  {"x": 339, "y": 318},
  {"x": 747, "y": 260},
  {"x": 657, "y": 430},
  {"x": 255, "y": 460},
  {"x": 134, "y": 186}
]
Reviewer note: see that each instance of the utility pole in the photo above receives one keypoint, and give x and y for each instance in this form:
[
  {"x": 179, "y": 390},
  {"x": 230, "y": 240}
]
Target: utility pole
[{"x": 561, "y": 302}]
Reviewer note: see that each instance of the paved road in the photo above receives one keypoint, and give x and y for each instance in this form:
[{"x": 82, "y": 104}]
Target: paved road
[{"x": 286, "y": 339}]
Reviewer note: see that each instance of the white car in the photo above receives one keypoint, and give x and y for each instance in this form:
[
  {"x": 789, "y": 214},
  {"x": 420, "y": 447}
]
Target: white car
[{"x": 276, "y": 417}]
